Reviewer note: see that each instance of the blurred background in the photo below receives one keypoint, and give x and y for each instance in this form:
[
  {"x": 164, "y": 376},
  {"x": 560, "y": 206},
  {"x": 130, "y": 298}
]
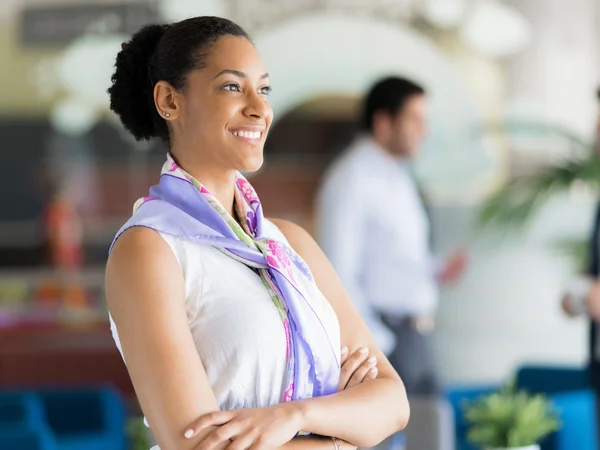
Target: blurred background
[{"x": 512, "y": 91}]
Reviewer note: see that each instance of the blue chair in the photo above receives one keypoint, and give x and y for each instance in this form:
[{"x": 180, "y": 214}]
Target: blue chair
[
  {"x": 22, "y": 423},
  {"x": 457, "y": 396},
  {"x": 568, "y": 389},
  {"x": 24, "y": 438},
  {"x": 551, "y": 380},
  {"x": 86, "y": 419},
  {"x": 577, "y": 413},
  {"x": 21, "y": 409}
]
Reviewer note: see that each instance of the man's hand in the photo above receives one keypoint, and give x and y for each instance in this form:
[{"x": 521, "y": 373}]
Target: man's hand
[
  {"x": 357, "y": 368},
  {"x": 580, "y": 296},
  {"x": 567, "y": 306},
  {"x": 454, "y": 267},
  {"x": 593, "y": 302}
]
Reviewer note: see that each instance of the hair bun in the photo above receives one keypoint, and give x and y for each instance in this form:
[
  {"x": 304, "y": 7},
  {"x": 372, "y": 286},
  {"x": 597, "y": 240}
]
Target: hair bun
[{"x": 131, "y": 93}]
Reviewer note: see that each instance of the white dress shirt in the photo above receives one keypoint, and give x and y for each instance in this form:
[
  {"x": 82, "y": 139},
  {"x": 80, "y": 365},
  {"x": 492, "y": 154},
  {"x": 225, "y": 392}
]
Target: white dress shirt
[{"x": 372, "y": 225}]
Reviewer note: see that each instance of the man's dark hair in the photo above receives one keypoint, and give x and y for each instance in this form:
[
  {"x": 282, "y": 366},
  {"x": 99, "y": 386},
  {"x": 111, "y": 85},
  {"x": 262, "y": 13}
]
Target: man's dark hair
[{"x": 389, "y": 95}]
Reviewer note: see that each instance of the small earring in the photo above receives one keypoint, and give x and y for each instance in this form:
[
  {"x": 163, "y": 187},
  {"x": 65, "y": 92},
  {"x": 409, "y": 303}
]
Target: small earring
[{"x": 166, "y": 114}]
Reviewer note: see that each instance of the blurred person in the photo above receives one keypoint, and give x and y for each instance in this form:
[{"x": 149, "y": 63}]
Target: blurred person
[
  {"x": 63, "y": 229},
  {"x": 230, "y": 324},
  {"x": 63, "y": 237},
  {"x": 583, "y": 294},
  {"x": 373, "y": 227}
]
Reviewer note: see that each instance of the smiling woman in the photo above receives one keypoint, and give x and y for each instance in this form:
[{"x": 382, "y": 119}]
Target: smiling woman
[{"x": 231, "y": 325}]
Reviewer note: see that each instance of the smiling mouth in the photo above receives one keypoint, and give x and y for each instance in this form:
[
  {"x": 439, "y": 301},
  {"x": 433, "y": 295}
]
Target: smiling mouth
[{"x": 251, "y": 136}]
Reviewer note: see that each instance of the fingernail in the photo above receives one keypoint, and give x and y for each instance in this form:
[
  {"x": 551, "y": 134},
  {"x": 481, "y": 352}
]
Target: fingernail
[
  {"x": 344, "y": 350},
  {"x": 363, "y": 350},
  {"x": 372, "y": 359},
  {"x": 189, "y": 433},
  {"x": 374, "y": 370}
]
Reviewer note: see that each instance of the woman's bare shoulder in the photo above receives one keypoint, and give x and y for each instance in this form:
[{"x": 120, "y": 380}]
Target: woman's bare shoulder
[
  {"x": 298, "y": 237},
  {"x": 139, "y": 258}
]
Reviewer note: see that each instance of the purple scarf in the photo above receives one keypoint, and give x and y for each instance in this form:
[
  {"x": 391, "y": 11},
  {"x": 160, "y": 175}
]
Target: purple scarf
[{"x": 180, "y": 206}]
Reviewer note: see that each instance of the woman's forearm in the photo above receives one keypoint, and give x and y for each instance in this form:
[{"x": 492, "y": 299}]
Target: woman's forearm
[
  {"x": 315, "y": 443},
  {"x": 363, "y": 415}
]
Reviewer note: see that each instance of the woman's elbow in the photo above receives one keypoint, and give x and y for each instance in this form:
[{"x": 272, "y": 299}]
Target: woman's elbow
[
  {"x": 398, "y": 422},
  {"x": 403, "y": 415},
  {"x": 401, "y": 409},
  {"x": 396, "y": 418}
]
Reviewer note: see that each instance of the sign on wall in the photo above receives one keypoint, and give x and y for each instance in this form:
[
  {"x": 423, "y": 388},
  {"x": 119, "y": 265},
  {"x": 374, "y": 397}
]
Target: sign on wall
[{"x": 61, "y": 24}]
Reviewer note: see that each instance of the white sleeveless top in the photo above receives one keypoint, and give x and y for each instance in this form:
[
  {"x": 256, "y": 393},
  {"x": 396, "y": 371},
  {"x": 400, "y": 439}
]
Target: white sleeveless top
[{"x": 236, "y": 327}]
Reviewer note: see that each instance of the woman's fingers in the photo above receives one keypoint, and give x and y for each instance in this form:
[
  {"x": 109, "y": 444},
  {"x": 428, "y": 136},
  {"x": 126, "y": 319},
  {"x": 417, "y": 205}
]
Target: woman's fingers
[
  {"x": 372, "y": 374},
  {"x": 242, "y": 442},
  {"x": 215, "y": 418},
  {"x": 343, "y": 355},
  {"x": 220, "y": 436},
  {"x": 367, "y": 370},
  {"x": 350, "y": 366}
]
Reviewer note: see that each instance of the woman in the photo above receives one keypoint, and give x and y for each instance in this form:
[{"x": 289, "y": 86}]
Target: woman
[{"x": 229, "y": 340}]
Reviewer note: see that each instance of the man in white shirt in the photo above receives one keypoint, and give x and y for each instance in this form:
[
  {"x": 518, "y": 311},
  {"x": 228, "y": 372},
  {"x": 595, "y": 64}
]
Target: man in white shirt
[{"x": 373, "y": 227}]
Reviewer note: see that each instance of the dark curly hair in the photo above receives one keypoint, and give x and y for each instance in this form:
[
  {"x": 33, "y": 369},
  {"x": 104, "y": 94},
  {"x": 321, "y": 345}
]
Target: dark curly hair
[
  {"x": 389, "y": 95},
  {"x": 161, "y": 53}
]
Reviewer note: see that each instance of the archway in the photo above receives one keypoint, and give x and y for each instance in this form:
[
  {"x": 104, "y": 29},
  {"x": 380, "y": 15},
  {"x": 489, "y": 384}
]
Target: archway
[{"x": 318, "y": 55}]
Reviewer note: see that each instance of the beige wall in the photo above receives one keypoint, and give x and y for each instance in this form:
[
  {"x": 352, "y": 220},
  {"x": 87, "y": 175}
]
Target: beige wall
[
  {"x": 557, "y": 75},
  {"x": 17, "y": 65},
  {"x": 18, "y": 96}
]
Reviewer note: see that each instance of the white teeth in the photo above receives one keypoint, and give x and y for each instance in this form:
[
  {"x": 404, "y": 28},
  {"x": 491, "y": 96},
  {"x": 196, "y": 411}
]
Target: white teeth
[{"x": 248, "y": 134}]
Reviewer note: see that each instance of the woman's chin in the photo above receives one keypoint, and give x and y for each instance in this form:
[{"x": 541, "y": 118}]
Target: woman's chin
[{"x": 251, "y": 165}]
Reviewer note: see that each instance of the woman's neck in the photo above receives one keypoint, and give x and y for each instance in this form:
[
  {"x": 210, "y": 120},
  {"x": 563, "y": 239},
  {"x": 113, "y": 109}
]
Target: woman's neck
[{"x": 220, "y": 182}]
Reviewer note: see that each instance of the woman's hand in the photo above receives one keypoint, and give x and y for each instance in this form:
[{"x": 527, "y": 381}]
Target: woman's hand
[
  {"x": 256, "y": 428},
  {"x": 356, "y": 368}
]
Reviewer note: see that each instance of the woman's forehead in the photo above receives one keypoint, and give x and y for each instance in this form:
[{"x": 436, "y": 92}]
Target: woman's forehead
[{"x": 232, "y": 53}]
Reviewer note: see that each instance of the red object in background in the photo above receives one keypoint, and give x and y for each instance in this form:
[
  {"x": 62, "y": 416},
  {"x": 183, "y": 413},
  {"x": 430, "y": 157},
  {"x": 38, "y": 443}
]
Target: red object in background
[
  {"x": 64, "y": 234},
  {"x": 52, "y": 356}
]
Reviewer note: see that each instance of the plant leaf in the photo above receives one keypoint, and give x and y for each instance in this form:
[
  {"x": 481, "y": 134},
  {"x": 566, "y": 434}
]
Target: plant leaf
[{"x": 513, "y": 207}]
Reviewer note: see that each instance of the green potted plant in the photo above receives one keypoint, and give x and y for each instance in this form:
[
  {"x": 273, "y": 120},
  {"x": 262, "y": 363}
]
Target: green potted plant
[
  {"x": 138, "y": 434},
  {"x": 509, "y": 420}
]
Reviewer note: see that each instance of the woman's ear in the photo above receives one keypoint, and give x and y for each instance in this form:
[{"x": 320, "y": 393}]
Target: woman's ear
[{"x": 166, "y": 100}]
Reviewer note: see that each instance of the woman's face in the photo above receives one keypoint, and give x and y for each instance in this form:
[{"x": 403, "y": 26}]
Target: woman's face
[{"x": 223, "y": 115}]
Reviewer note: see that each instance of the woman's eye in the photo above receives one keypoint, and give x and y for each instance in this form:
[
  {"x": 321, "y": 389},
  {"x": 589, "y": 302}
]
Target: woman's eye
[
  {"x": 232, "y": 87},
  {"x": 265, "y": 90}
]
